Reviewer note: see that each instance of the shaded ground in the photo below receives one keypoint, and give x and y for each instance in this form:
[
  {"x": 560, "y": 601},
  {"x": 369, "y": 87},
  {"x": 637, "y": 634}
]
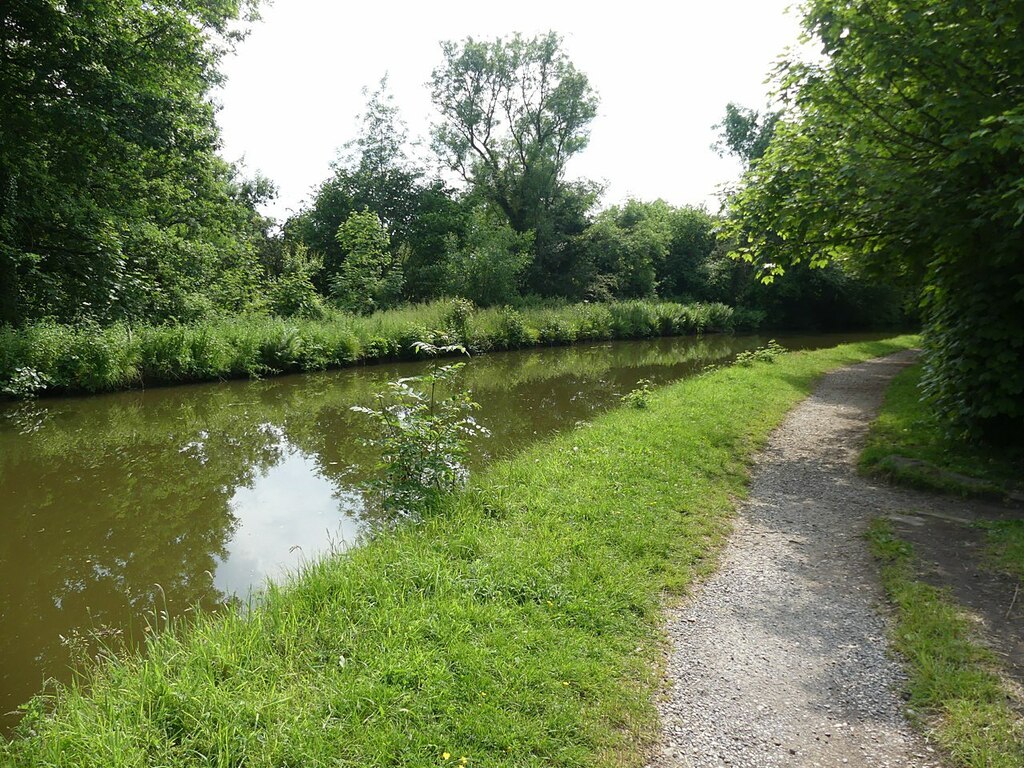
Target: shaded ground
[
  {"x": 951, "y": 552},
  {"x": 782, "y": 657}
]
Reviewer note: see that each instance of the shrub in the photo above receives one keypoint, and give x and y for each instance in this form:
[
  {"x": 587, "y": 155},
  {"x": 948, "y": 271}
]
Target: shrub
[
  {"x": 26, "y": 382},
  {"x": 639, "y": 397},
  {"x": 766, "y": 354},
  {"x": 456, "y": 316},
  {"x": 422, "y": 437}
]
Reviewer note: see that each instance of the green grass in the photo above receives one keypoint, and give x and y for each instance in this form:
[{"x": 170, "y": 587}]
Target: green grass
[
  {"x": 906, "y": 428},
  {"x": 518, "y": 626},
  {"x": 47, "y": 357},
  {"x": 1005, "y": 546},
  {"x": 953, "y": 680}
]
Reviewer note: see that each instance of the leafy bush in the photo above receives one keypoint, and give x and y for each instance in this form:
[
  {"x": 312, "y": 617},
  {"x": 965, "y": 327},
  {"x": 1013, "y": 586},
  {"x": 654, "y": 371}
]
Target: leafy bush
[
  {"x": 639, "y": 397},
  {"x": 369, "y": 277},
  {"x": 26, "y": 382},
  {"x": 293, "y": 293},
  {"x": 512, "y": 329},
  {"x": 424, "y": 424},
  {"x": 456, "y": 316},
  {"x": 488, "y": 265},
  {"x": 766, "y": 354}
]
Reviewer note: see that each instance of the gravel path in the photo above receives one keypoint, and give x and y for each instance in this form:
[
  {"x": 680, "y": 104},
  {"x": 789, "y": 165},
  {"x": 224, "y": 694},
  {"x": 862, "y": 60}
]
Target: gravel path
[{"x": 780, "y": 659}]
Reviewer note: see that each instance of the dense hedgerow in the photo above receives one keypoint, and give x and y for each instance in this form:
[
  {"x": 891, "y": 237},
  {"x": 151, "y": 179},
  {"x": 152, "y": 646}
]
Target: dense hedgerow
[{"x": 48, "y": 357}]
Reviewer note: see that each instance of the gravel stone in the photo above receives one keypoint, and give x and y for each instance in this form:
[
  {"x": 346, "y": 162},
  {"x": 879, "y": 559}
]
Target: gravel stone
[{"x": 781, "y": 657}]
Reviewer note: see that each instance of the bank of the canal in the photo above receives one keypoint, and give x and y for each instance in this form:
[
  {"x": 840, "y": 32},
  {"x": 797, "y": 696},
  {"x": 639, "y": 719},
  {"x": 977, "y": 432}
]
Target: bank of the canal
[
  {"x": 48, "y": 358},
  {"x": 519, "y": 626}
]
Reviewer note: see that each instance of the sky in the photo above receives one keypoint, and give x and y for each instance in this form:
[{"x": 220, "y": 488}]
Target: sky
[{"x": 664, "y": 73}]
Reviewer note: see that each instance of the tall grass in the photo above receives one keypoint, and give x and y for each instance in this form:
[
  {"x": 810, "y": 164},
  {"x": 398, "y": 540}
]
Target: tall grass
[
  {"x": 59, "y": 358},
  {"x": 517, "y": 627}
]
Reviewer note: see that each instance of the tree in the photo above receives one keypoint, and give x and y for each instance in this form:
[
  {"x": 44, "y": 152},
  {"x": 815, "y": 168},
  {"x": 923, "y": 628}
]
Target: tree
[
  {"x": 113, "y": 202},
  {"x": 368, "y": 278},
  {"x": 487, "y": 265},
  {"x": 900, "y": 152},
  {"x": 375, "y": 173},
  {"x": 683, "y": 271},
  {"x": 626, "y": 247},
  {"x": 512, "y": 114},
  {"x": 745, "y": 133}
]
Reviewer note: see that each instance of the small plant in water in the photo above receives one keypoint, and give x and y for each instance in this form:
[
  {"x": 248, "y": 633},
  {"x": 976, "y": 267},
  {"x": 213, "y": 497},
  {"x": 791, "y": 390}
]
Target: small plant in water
[
  {"x": 639, "y": 397},
  {"x": 766, "y": 354},
  {"x": 424, "y": 426}
]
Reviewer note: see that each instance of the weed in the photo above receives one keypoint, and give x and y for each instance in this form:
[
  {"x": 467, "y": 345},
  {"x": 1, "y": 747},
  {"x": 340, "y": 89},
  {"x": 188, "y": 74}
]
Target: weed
[
  {"x": 424, "y": 424},
  {"x": 640, "y": 397},
  {"x": 765, "y": 354}
]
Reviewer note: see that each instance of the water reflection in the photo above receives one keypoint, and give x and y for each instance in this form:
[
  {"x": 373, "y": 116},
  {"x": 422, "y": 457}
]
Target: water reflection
[
  {"x": 116, "y": 508},
  {"x": 287, "y": 514}
]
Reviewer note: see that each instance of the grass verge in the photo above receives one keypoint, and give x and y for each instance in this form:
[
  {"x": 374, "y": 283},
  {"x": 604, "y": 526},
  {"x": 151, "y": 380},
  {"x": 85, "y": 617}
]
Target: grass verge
[
  {"x": 518, "y": 626},
  {"x": 953, "y": 680},
  {"x": 909, "y": 446},
  {"x": 48, "y": 357},
  {"x": 1005, "y": 546}
]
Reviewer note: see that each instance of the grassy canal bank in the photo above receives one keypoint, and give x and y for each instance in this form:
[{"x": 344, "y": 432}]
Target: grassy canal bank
[
  {"x": 955, "y": 682},
  {"x": 518, "y": 626},
  {"x": 49, "y": 357}
]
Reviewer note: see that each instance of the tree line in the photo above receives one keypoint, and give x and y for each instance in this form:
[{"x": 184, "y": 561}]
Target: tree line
[
  {"x": 889, "y": 170},
  {"x": 898, "y": 153},
  {"x": 116, "y": 206}
]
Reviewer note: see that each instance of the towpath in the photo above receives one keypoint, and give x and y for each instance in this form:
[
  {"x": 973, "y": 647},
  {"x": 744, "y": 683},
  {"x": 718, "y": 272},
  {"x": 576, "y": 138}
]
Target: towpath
[{"x": 781, "y": 657}]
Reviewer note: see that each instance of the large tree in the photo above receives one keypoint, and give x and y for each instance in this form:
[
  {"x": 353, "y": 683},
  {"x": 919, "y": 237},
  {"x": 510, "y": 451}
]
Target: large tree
[
  {"x": 113, "y": 202},
  {"x": 900, "y": 151},
  {"x": 376, "y": 173},
  {"x": 513, "y": 112}
]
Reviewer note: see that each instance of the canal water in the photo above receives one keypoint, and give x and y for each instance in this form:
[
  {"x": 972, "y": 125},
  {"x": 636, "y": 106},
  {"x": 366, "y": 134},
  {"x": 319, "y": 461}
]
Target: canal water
[{"x": 121, "y": 510}]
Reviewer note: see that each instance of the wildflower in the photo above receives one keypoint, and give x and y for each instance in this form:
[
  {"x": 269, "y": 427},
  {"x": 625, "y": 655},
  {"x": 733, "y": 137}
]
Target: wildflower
[{"x": 446, "y": 755}]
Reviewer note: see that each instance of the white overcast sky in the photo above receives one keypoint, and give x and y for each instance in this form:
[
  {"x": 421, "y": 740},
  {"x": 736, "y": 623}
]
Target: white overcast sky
[{"x": 664, "y": 72}]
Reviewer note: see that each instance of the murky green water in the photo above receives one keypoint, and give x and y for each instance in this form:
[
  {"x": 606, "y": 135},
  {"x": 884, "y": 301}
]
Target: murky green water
[{"x": 119, "y": 509}]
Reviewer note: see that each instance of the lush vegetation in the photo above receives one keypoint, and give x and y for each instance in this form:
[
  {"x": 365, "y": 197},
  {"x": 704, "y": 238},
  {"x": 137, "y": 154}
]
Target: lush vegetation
[
  {"x": 123, "y": 232},
  {"x": 910, "y": 125},
  {"x": 953, "y": 680},
  {"x": 424, "y": 424},
  {"x": 93, "y": 358},
  {"x": 517, "y": 625},
  {"x": 907, "y": 429},
  {"x": 113, "y": 201}
]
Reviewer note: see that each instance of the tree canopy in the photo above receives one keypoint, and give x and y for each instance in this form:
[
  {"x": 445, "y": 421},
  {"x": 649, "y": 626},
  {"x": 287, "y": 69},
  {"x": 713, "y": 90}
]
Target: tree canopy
[
  {"x": 115, "y": 206},
  {"x": 745, "y": 133},
  {"x": 899, "y": 152},
  {"x": 512, "y": 113},
  {"x": 113, "y": 202}
]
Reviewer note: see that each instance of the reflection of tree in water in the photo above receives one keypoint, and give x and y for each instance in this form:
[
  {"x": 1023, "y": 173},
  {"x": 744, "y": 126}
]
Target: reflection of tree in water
[{"x": 90, "y": 533}]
